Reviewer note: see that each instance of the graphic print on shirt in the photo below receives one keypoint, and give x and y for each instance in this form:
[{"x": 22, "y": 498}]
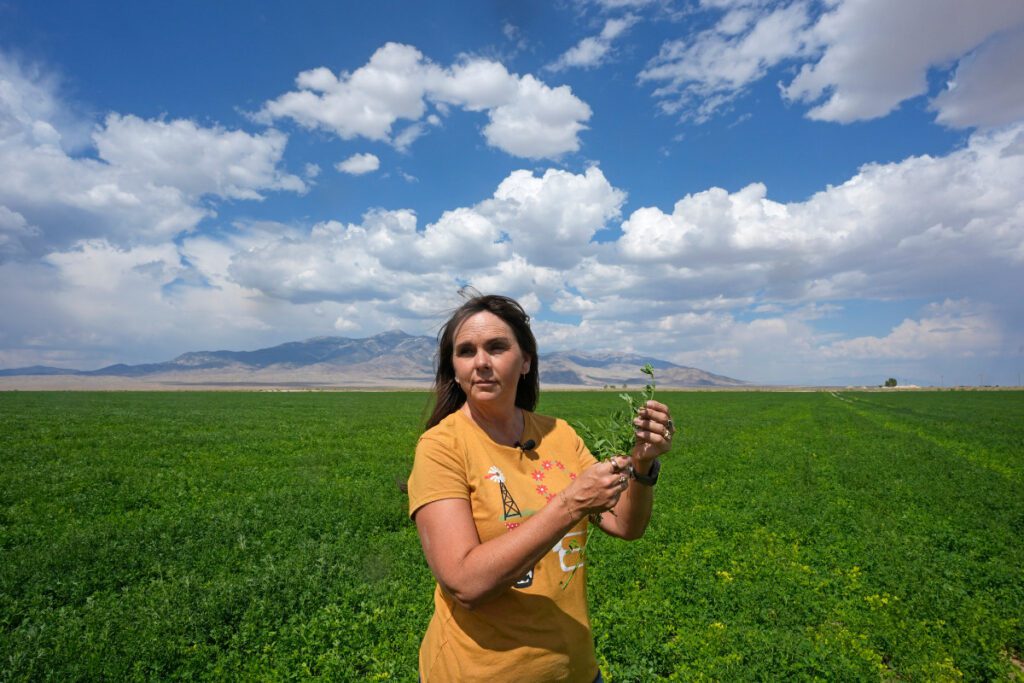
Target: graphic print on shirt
[
  {"x": 567, "y": 547},
  {"x": 509, "y": 509},
  {"x": 507, "y": 502}
]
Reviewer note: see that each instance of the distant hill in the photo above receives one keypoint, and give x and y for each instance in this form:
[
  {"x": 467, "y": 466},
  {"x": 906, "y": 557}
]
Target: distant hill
[
  {"x": 387, "y": 359},
  {"x": 600, "y": 369}
]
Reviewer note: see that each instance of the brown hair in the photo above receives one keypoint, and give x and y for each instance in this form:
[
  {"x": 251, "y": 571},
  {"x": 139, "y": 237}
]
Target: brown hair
[{"x": 448, "y": 395}]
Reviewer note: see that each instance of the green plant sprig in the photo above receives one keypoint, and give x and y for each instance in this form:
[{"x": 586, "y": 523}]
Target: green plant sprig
[
  {"x": 611, "y": 436},
  {"x": 616, "y": 434}
]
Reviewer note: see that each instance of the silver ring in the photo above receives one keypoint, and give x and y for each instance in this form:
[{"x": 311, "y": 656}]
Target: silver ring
[{"x": 623, "y": 481}]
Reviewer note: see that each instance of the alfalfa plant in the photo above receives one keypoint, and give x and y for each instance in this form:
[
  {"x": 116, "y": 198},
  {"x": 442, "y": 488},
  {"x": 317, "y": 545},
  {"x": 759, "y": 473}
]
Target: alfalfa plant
[{"x": 614, "y": 435}]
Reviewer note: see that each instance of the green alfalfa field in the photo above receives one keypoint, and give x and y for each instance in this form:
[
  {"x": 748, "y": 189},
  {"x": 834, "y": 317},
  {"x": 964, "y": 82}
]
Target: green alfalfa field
[{"x": 849, "y": 536}]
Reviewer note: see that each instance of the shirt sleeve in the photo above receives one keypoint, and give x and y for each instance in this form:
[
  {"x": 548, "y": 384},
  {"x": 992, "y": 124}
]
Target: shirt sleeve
[{"x": 438, "y": 472}]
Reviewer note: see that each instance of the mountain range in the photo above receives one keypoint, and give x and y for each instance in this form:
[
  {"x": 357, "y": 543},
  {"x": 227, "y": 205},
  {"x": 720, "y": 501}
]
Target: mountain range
[{"x": 389, "y": 359}]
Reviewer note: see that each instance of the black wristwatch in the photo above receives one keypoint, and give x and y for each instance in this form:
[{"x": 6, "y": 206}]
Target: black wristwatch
[{"x": 651, "y": 478}]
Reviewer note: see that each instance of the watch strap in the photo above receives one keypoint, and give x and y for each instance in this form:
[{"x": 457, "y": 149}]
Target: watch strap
[{"x": 651, "y": 478}]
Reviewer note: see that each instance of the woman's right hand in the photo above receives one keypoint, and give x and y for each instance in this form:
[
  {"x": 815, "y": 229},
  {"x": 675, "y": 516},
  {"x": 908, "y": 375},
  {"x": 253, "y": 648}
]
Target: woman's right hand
[{"x": 597, "y": 488}]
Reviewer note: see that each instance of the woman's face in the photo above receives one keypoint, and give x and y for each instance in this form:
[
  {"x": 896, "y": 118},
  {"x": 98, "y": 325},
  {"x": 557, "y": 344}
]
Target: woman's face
[{"x": 488, "y": 361}]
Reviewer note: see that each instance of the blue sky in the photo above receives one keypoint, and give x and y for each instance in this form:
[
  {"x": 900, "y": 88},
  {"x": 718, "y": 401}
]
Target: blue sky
[{"x": 786, "y": 192}]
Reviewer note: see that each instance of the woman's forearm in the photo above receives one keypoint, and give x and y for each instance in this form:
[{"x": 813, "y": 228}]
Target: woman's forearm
[
  {"x": 475, "y": 573},
  {"x": 632, "y": 513},
  {"x": 494, "y": 566}
]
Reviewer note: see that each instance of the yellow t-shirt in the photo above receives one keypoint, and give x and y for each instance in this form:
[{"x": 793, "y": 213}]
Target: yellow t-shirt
[{"x": 536, "y": 630}]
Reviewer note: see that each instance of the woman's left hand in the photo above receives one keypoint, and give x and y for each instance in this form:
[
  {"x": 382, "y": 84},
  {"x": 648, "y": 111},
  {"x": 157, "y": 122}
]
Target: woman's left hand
[{"x": 654, "y": 432}]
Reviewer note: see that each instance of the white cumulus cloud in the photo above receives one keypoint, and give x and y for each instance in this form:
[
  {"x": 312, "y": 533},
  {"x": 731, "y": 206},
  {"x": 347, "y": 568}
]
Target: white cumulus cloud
[
  {"x": 358, "y": 164},
  {"x": 551, "y": 219},
  {"x": 987, "y": 89},
  {"x": 859, "y": 59},
  {"x": 593, "y": 51},
  {"x": 877, "y": 54},
  {"x": 528, "y": 230},
  {"x": 527, "y": 118},
  {"x": 699, "y": 76},
  {"x": 947, "y": 329},
  {"x": 921, "y": 226},
  {"x": 13, "y": 230},
  {"x": 148, "y": 180},
  {"x": 196, "y": 160}
]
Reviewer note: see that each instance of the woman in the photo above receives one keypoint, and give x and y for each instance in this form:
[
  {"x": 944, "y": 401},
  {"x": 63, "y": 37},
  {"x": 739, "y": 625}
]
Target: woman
[{"x": 501, "y": 498}]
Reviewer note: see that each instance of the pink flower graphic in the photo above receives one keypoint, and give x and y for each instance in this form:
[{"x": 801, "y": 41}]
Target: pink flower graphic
[
  {"x": 547, "y": 464},
  {"x": 572, "y": 475},
  {"x": 537, "y": 475},
  {"x": 559, "y": 465},
  {"x": 542, "y": 489}
]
